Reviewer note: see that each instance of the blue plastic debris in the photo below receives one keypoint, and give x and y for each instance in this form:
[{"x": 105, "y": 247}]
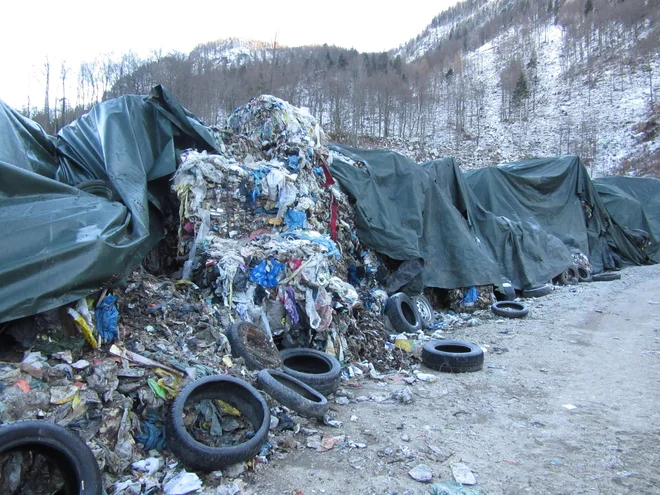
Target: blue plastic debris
[
  {"x": 152, "y": 436},
  {"x": 266, "y": 273},
  {"x": 293, "y": 161},
  {"x": 470, "y": 297},
  {"x": 106, "y": 319},
  {"x": 296, "y": 220}
]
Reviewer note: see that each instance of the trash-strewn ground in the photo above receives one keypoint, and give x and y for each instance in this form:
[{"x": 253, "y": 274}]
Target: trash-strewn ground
[{"x": 568, "y": 403}]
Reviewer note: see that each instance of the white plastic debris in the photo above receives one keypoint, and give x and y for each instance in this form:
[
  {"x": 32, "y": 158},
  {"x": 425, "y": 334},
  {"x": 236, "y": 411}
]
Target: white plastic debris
[
  {"x": 463, "y": 474},
  {"x": 182, "y": 483},
  {"x": 149, "y": 465}
]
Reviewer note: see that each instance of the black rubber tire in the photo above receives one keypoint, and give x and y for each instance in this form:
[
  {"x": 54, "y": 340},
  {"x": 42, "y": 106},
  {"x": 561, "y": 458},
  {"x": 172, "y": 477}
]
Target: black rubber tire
[
  {"x": 68, "y": 452},
  {"x": 509, "y": 309},
  {"x": 101, "y": 188},
  {"x": 403, "y": 314},
  {"x": 505, "y": 291},
  {"x": 293, "y": 393},
  {"x": 584, "y": 275},
  {"x": 239, "y": 349},
  {"x": 237, "y": 393},
  {"x": 568, "y": 276},
  {"x": 543, "y": 290},
  {"x": 605, "y": 277},
  {"x": 317, "y": 369},
  {"x": 452, "y": 356},
  {"x": 424, "y": 309}
]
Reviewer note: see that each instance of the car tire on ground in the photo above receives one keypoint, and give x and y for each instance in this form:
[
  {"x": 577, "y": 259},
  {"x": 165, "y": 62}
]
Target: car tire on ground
[
  {"x": 424, "y": 309},
  {"x": 317, "y": 369},
  {"x": 402, "y": 312},
  {"x": 543, "y": 290},
  {"x": 584, "y": 275},
  {"x": 509, "y": 309},
  {"x": 568, "y": 276},
  {"x": 75, "y": 461},
  {"x": 452, "y": 356},
  {"x": 238, "y": 394},
  {"x": 605, "y": 277},
  {"x": 242, "y": 335},
  {"x": 293, "y": 393}
]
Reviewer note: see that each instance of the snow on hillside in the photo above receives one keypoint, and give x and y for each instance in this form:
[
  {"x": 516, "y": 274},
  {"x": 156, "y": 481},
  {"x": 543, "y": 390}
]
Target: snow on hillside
[{"x": 568, "y": 118}]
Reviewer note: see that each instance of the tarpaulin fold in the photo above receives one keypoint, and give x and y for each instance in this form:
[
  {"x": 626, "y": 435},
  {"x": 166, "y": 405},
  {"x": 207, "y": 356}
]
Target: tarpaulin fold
[
  {"x": 60, "y": 243},
  {"x": 634, "y": 203},
  {"x": 557, "y": 196},
  {"x": 407, "y": 211}
]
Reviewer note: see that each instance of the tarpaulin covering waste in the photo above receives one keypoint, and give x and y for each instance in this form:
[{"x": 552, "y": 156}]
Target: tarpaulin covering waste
[
  {"x": 557, "y": 195},
  {"x": 60, "y": 243},
  {"x": 407, "y": 211},
  {"x": 634, "y": 203},
  {"x": 526, "y": 255}
]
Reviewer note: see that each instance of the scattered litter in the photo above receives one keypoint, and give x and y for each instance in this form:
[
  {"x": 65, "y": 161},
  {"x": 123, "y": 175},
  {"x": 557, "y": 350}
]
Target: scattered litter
[
  {"x": 182, "y": 483},
  {"x": 462, "y": 474},
  {"x": 569, "y": 406}
]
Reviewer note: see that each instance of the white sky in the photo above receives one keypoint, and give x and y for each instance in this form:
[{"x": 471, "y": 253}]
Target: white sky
[{"x": 75, "y": 31}]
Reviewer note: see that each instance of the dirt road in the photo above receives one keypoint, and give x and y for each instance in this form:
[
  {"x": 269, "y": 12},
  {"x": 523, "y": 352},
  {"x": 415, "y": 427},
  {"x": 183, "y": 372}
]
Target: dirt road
[{"x": 595, "y": 347}]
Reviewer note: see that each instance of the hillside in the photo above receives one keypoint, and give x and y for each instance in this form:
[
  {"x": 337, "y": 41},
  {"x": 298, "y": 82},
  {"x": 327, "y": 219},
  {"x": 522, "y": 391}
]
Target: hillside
[{"x": 487, "y": 81}]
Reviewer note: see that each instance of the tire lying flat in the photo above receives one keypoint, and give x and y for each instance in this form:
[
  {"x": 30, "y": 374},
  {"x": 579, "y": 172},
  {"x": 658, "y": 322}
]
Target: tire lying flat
[
  {"x": 293, "y": 393},
  {"x": 68, "y": 452},
  {"x": 605, "y": 277},
  {"x": 509, "y": 309},
  {"x": 317, "y": 369},
  {"x": 237, "y": 393},
  {"x": 452, "y": 356},
  {"x": 541, "y": 291}
]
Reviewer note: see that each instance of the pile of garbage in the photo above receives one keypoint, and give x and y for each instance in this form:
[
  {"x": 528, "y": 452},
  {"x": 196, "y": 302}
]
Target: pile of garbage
[{"x": 267, "y": 237}]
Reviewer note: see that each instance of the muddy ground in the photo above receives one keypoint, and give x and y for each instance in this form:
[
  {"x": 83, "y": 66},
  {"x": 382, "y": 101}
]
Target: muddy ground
[{"x": 594, "y": 346}]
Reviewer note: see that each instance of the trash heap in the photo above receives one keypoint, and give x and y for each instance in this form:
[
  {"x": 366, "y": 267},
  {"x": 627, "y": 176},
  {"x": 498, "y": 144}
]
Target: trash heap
[
  {"x": 267, "y": 229},
  {"x": 267, "y": 237}
]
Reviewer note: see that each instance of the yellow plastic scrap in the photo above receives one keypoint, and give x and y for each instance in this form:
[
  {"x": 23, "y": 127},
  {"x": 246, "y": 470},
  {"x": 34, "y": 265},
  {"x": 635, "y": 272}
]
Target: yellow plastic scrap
[
  {"x": 83, "y": 327},
  {"x": 227, "y": 409},
  {"x": 275, "y": 221},
  {"x": 404, "y": 344},
  {"x": 170, "y": 383},
  {"x": 227, "y": 361}
]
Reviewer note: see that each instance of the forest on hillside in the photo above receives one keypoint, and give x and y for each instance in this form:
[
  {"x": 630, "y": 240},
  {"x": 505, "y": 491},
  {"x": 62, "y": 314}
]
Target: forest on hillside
[{"x": 395, "y": 94}]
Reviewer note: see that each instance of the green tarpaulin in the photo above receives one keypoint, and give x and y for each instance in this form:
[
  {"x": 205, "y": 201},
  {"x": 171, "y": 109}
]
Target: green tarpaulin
[
  {"x": 59, "y": 243},
  {"x": 407, "y": 211},
  {"x": 635, "y": 204},
  {"x": 556, "y": 195}
]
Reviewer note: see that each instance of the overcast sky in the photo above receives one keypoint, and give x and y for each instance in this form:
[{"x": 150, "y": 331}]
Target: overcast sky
[{"x": 74, "y": 30}]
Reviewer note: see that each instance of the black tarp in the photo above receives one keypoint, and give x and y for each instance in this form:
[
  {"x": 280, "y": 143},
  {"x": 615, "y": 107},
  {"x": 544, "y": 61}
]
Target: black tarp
[
  {"x": 407, "y": 211},
  {"x": 58, "y": 243},
  {"x": 557, "y": 195},
  {"x": 634, "y": 202}
]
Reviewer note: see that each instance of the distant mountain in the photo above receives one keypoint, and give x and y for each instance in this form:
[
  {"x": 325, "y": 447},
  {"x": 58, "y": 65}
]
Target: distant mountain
[{"x": 487, "y": 81}]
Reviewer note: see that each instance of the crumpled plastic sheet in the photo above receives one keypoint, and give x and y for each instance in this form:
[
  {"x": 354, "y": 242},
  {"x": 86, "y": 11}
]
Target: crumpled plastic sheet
[{"x": 107, "y": 317}]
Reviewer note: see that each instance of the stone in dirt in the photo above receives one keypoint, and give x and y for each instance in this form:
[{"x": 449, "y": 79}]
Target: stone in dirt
[{"x": 421, "y": 473}]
